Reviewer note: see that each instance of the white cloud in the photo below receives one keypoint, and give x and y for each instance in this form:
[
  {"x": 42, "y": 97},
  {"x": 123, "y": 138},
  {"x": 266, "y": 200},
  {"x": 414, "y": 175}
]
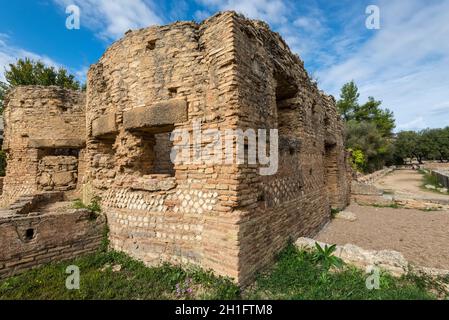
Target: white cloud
[
  {"x": 405, "y": 63},
  {"x": 110, "y": 19},
  {"x": 10, "y": 54},
  {"x": 201, "y": 15},
  {"x": 415, "y": 124},
  {"x": 271, "y": 11}
]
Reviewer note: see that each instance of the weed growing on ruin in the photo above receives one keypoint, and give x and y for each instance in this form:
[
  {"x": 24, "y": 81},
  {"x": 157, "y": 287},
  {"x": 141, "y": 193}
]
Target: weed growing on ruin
[
  {"x": 334, "y": 212},
  {"x": 296, "y": 275},
  {"x": 325, "y": 258},
  {"x": 93, "y": 206}
]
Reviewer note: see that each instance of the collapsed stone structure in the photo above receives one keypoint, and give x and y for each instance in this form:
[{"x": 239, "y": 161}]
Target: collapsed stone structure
[
  {"x": 45, "y": 141},
  {"x": 227, "y": 73}
]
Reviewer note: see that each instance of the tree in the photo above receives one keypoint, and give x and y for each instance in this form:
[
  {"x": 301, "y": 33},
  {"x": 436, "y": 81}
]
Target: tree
[
  {"x": 369, "y": 128},
  {"x": 423, "y": 145},
  {"x": 371, "y": 112},
  {"x": 364, "y": 137},
  {"x": 405, "y": 144},
  {"x": 348, "y": 102},
  {"x": 30, "y": 72}
]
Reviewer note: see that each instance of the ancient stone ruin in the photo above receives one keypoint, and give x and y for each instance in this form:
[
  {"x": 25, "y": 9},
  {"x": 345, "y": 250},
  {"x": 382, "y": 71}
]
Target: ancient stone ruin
[
  {"x": 44, "y": 141},
  {"x": 226, "y": 73}
]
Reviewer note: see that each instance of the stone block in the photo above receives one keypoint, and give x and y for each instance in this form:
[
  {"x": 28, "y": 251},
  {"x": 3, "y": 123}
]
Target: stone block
[
  {"x": 160, "y": 115},
  {"x": 104, "y": 125},
  {"x": 62, "y": 178},
  {"x": 56, "y": 143}
]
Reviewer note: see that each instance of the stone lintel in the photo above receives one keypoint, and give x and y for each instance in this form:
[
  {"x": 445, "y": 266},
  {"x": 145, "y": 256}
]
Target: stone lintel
[
  {"x": 160, "y": 115},
  {"x": 57, "y": 143},
  {"x": 104, "y": 125}
]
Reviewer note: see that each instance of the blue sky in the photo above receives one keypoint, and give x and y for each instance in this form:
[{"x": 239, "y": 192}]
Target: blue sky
[{"x": 405, "y": 63}]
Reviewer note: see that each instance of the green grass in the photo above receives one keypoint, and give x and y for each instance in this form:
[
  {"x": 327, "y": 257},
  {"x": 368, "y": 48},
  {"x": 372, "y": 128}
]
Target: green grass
[
  {"x": 430, "y": 179},
  {"x": 133, "y": 281},
  {"x": 296, "y": 275}
]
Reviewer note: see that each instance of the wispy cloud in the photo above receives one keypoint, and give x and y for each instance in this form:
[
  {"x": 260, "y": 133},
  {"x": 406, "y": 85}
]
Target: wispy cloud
[
  {"x": 272, "y": 11},
  {"x": 110, "y": 19},
  {"x": 405, "y": 63},
  {"x": 10, "y": 54}
]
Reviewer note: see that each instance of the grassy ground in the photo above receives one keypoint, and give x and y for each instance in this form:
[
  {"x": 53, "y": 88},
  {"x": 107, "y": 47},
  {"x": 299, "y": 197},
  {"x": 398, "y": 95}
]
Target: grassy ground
[{"x": 113, "y": 275}]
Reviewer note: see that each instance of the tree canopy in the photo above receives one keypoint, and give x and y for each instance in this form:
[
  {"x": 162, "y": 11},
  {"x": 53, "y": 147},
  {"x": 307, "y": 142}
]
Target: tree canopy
[
  {"x": 369, "y": 129},
  {"x": 30, "y": 72},
  {"x": 427, "y": 144}
]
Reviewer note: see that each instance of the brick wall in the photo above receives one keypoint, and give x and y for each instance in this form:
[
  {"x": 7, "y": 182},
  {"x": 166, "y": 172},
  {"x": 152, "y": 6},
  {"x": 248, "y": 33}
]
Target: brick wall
[
  {"x": 229, "y": 73},
  {"x": 29, "y": 241}
]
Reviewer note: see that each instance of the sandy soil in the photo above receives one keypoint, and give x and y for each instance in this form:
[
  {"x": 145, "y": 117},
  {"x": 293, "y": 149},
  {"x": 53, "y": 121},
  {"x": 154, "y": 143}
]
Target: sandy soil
[
  {"x": 407, "y": 183},
  {"x": 422, "y": 237}
]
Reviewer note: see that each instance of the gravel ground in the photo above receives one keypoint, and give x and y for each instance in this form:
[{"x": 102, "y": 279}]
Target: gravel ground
[
  {"x": 422, "y": 237},
  {"x": 407, "y": 183}
]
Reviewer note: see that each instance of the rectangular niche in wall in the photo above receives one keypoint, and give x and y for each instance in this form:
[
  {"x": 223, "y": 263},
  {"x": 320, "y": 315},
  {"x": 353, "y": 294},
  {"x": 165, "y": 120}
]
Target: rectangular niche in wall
[
  {"x": 154, "y": 155},
  {"x": 57, "y": 169},
  {"x": 285, "y": 90}
]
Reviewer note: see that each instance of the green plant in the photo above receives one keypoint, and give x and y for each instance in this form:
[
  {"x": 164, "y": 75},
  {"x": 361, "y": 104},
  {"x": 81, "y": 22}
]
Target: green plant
[
  {"x": 2, "y": 163},
  {"x": 334, "y": 212},
  {"x": 325, "y": 257},
  {"x": 93, "y": 206}
]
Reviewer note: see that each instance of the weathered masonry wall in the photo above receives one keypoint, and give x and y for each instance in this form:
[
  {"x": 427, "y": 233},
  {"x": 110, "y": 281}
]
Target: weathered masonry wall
[
  {"x": 276, "y": 92},
  {"x": 44, "y": 140},
  {"x": 31, "y": 235},
  {"x": 228, "y": 73},
  {"x": 146, "y": 85}
]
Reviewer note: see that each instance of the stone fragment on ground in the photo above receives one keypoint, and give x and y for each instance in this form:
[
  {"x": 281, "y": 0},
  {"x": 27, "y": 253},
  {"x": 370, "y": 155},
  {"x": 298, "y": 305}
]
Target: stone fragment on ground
[
  {"x": 429, "y": 186},
  {"x": 388, "y": 260},
  {"x": 346, "y": 215}
]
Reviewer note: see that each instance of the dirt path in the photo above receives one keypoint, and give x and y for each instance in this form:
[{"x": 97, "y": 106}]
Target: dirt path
[
  {"x": 422, "y": 237},
  {"x": 407, "y": 184}
]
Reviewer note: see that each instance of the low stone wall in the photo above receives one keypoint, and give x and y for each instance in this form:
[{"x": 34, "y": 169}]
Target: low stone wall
[
  {"x": 359, "y": 188},
  {"x": 29, "y": 240},
  {"x": 442, "y": 176},
  {"x": 373, "y": 177}
]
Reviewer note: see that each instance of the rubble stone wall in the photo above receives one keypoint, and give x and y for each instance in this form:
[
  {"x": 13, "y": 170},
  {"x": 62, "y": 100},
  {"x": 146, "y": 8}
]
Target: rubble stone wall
[
  {"x": 228, "y": 73},
  {"x": 44, "y": 137}
]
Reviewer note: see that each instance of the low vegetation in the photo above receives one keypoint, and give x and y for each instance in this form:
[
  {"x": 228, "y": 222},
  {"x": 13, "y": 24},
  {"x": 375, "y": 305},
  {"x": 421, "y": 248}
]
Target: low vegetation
[
  {"x": 296, "y": 275},
  {"x": 93, "y": 206},
  {"x": 431, "y": 180}
]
